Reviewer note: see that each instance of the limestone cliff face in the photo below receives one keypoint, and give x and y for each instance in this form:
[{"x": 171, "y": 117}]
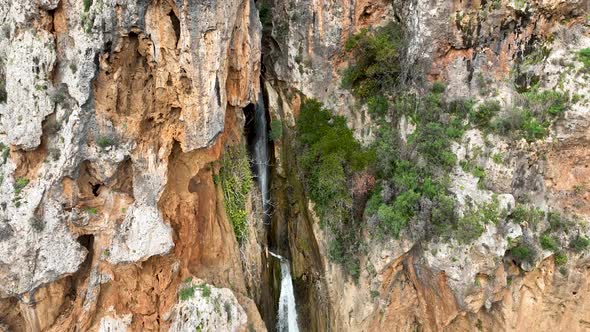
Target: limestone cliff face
[
  {"x": 116, "y": 115},
  {"x": 115, "y": 111},
  {"x": 479, "y": 49}
]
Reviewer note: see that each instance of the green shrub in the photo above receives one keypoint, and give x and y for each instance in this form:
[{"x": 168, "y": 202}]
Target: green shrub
[
  {"x": 510, "y": 123},
  {"x": 87, "y": 4},
  {"x": 556, "y": 221},
  {"x": 205, "y": 290},
  {"x": 105, "y": 141},
  {"x": 5, "y": 153},
  {"x": 484, "y": 114},
  {"x": 186, "y": 293},
  {"x": 73, "y": 68},
  {"x": 438, "y": 87},
  {"x": 498, "y": 158},
  {"x": 377, "y": 106},
  {"x": 433, "y": 144},
  {"x": 532, "y": 129},
  {"x": 522, "y": 214},
  {"x": 20, "y": 184},
  {"x": 328, "y": 157},
  {"x": 523, "y": 253},
  {"x": 376, "y": 59},
  {"x": 468, "y": 228},
  {"x": 472, "y": 224},
  {"x": 534, "y": 114},
  {"x": 91, "y": 210},
  {"x": 3, "y": 94},
  {"x": 548, "y": 102},
  {"x": 549, "y": 243},
  {"x": 58, "y": 96},
  {"x": 584, "y": 57},
  {"x": 236, "y": 181},
  {"x": 580, "y": 243},
  {"x": 560, "y": 258},
  {"x": 276, "y": 130},
  {"x": 394, "y": 217}
]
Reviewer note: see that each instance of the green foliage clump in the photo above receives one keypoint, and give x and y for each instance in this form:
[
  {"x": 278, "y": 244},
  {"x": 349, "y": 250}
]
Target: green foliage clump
[
  {"x": 438, "y": 87},
  {"x": 276, "y": 130},
  {"x": 87, "y": 4},
  {"x": 534, "y": 113},
  {"x": 580, "y": 243},
  {"x": 548, "y": 102},
  {"x": 20, "y": 184},
  {"x": 529, "y": 215},
  {"x": 472, "y": 224},
  {"x": 186, "y": 293},
  {"x": 549, "y": 243},
  {"x": 4, "y": 152},
  {"x": 584, "y": 57},
  {"x": 377, "y": 106},
  {"x": 205, "y": 290},
  {"x": 498, "y": 158},
  {"x": 375, "y": 68},
  {"x": 265, "y": 14},
  {"x": 3, "y": 94},
  {"x": 560, "y": 258},
  {"x": 105, "y": 141},
  {"x": 433, "y": 142},
  {"x": 523, "y": 253},
  {"x": 92, "y": 210},
  {"x": 236, "y": 181},
  {"x": 329, "y": 155},
  {"x": 484, "y": 114}
]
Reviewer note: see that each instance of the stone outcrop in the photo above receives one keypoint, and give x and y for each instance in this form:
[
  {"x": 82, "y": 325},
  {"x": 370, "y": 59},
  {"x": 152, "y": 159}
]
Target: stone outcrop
[{"x": 106, "y": 101}]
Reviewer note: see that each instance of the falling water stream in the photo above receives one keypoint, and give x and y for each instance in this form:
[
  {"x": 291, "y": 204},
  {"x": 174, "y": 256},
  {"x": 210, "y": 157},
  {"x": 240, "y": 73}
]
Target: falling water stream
[
  {"x": 261, "y": 158},
  {"x": 287, "y": 313},
  {"x": 287, "y": 316}
]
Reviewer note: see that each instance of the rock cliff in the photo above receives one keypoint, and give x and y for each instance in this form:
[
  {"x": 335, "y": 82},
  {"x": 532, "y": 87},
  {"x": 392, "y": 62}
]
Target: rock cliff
[{"x": 117, "y": 119}]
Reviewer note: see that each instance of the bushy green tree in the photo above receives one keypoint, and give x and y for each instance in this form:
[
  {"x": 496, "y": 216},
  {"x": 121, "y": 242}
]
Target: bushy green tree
[{"x": 375, "y": 61}]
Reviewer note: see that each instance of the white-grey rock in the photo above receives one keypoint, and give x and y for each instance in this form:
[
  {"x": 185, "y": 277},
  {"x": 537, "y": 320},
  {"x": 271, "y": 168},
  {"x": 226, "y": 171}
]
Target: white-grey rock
[{"x": 208, "y": 309}]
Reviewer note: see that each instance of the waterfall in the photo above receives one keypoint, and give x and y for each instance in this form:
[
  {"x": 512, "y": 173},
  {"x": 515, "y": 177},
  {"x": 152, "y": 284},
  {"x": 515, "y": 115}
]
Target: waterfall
[
  {"x": 261, "y": 154},
  {"x": 287, "y": 316}
]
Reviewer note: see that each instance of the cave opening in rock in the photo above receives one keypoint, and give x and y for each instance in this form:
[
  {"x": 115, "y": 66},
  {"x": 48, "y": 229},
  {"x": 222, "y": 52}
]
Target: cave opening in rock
[{"x": 175, "y": 25}]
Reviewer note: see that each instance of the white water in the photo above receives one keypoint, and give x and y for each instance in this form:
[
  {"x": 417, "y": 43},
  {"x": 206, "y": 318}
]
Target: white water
[
  {"x": 287, "y": 317},
  {"x": 261, "y": 154}
]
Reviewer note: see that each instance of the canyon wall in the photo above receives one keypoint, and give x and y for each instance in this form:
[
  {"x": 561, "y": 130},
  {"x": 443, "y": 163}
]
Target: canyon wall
[
  {"x": 115, "y": 116},
  {"x": 481, "y": 50}
]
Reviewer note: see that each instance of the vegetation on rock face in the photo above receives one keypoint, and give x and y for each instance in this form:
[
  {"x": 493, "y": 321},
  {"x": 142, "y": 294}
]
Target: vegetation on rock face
[
  {"x": 580, "y": 243},
  {"x": 523, "y": 253},
  {"x": 186, "y": 293},
  {"x": 276, "y": 130},
  {"x": 411, "y": 175},
  {"x": 20, "y": 184},
  {"x": 329, "y": 157},
  {"x": 236, "y": 182},
  {"x": 265, "y": 14},
  {"x": 533, "y": 114},
  {"x": 3, "y": 94},
  {"x": 376, "y": 61},
  {"x": 584, "y": 57}
]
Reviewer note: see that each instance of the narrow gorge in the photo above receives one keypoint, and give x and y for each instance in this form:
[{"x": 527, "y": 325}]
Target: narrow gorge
[{"x": 294, "y": 165}]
